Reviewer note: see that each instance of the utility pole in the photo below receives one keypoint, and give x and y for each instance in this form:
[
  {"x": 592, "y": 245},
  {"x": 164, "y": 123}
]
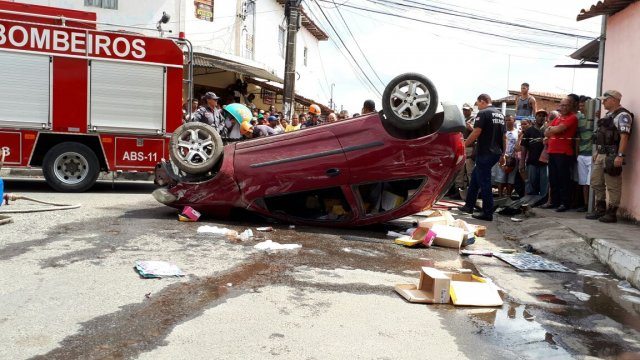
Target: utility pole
[
  {"x": 331, "y": 100},
  {"x": 292, "y": 13}
]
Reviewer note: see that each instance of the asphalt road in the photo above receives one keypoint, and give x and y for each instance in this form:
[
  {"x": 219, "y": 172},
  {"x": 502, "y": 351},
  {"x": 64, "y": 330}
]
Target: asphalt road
[{"x": 69, "y": 290}]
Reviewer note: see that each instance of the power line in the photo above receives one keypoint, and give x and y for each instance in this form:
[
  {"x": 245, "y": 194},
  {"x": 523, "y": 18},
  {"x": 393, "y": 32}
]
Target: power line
[
  {"x": 358, "y": 45},
  {"x": 347, "y": 49},
  {"x": 355, "y": 71},
  {"x": 457, "y": 27},
  {"x": 450, "y": 12}
]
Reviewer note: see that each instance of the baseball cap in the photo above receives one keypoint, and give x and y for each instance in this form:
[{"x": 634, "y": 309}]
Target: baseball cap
[
  {"x": 611, "y": 93},
  {"x": 211, "y": 95},
  {"x": 272, "y": 118},
  {"x": 260, "y": 116},
  {"x": 542, "y": 111},
  {"x": 467, "y": 106}
]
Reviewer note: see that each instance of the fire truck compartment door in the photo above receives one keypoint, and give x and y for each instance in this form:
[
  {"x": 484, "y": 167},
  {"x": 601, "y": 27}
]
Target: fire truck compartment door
[
  {"x": 25, "y": 89},
  {"x": 127, "y": 97}
]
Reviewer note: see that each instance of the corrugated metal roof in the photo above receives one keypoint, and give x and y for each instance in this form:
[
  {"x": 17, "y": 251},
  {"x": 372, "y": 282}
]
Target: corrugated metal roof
[
  {"x": 606, "y": 7},
  {"x": 212, "y": 61},
  {"x": 310, "y": 25}
]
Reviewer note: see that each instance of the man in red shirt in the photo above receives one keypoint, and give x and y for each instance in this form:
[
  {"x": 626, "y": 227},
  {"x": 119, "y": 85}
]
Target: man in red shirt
[{"x": 561, "y": 134}]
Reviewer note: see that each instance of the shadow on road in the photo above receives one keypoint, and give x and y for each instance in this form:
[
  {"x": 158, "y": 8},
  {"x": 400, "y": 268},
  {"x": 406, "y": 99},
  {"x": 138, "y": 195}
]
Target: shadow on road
[{"x": 38, "y": 185}]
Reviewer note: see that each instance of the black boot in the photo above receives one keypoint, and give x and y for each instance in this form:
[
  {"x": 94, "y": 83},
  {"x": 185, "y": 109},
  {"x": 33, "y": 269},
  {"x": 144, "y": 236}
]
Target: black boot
[
  {"x": 600, "y": 210},
  {"x": 610, "y": 216}
]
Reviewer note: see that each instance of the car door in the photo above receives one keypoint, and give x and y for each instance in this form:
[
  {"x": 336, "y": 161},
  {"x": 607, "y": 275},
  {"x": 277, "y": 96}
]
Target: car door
[{"x": 290, "y": 163}]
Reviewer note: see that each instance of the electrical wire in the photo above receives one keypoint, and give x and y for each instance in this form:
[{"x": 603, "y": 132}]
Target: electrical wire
[
  {"x": 457, "y": 27},
  {"x": 358, "y": 45},
  {"x": 347, "y": 49}
]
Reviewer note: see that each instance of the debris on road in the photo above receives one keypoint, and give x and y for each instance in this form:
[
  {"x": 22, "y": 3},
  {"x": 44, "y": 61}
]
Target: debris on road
[
  {"x": 264, "y": 228},
  {"x": 189, "y": 214},
  {"x": 526, "y": 261},
  {"x": 477, "y": 252},
  {"x": 206, "y": 229},
  {"x": 515, "y": 219},
  {"x": 272, "y": 245},
  {"x": 481, "y": 231},
  {"x": 462, "y": 288},
  {"x": 245, "y": 235},
  {"x": 581, "y": 296},
  {"x": 157, "y": 269},
  {"x": 448, "y": 236}
]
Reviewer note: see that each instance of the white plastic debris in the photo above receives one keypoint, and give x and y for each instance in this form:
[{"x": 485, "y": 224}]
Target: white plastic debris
[
  {"x": 156, "y": 269},
  {"x": 590, "y": 273},
  {"x": 265, "y": 228},
  {"x": 206, "y": 229},
  {"x": 394, "y": 234},
  {"x": 581, "y": 296},
  {"x": 245, "y": 235},
  {"x": 272, "y": 245}
]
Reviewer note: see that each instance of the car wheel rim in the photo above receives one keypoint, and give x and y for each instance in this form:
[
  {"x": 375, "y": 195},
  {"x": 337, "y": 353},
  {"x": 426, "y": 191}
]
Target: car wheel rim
[
  {"x": 195, "y": 146},
  {"x": 71, "y": 168},
  {"x": 410, "y": 99}
]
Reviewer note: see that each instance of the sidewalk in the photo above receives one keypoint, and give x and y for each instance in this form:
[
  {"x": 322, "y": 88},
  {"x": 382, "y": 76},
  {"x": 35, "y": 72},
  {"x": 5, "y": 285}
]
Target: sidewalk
[{"x": 615, "y": 245}]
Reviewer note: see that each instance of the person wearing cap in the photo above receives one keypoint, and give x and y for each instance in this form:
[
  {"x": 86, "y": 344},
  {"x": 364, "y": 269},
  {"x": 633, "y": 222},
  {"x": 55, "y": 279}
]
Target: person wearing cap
[
  {"x": 532, "y": 145},
  {"x": 314, "y": 116},
  {"x": 612, "y": 139},
  {"x": 209, "y": 113},
  {"x": 560, "y": 147},
  {"x": 585, "y": 149},
  {"x": 274, "y": 123}
]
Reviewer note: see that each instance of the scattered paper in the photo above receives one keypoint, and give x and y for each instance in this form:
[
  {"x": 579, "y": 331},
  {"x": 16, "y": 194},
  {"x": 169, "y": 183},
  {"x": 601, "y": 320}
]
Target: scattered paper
[
  {"x": 206, "y": 229},
  {"x": 157, "y": 269},
  {"x": 516, "y": 219},
  {"x": 526, "y": 261},
  {"x": 265, "y": 228},
  {"x": 272, "y": 245},
  {"x": 245, "y": 235},
  {"x": 590, "y": 273},
  {"x": 581, "y": 296}
]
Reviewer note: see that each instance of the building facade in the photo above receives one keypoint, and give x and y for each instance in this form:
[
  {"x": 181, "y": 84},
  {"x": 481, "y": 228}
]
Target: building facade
[{"x": 232, "y": 40}]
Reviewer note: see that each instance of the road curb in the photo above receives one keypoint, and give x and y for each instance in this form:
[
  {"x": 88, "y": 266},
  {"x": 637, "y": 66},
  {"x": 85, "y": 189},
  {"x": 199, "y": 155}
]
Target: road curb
[{"x": 623, "y": 262}]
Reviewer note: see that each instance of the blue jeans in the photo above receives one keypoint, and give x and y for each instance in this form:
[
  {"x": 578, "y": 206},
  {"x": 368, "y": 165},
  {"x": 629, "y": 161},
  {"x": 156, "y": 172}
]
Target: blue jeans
[
  {"x": 537, "y": 180},
  {"x": 481, "y": 181}
]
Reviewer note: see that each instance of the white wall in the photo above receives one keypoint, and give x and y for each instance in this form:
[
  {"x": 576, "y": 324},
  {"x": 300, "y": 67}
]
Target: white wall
[{"x": 218, "y": 35}]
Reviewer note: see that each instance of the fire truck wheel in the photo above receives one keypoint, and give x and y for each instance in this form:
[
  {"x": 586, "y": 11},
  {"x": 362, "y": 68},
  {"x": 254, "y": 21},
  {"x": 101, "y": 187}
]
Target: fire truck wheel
[
  {"x": 195, "y": 148},
  {"x": 70, "y": 167},
  {"x": 409, "y": 101}
]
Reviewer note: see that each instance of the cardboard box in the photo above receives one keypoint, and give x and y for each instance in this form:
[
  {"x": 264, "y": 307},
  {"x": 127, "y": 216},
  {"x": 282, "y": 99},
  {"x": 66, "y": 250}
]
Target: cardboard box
[
  {"x": 480, "y": 231},
  {"x": 429, "y": 222},
  {"x": 433, "y": 288},
  {"x": 425, "y": 236},
  {"x": 448, "y": 236},
  {"x": 467, "y": 289}
]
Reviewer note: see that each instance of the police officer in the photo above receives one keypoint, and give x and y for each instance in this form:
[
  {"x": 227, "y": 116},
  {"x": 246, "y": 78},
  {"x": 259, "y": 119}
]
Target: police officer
[
  {"x": 209, "y": 113},
  {"x": 611, "y": 137}
]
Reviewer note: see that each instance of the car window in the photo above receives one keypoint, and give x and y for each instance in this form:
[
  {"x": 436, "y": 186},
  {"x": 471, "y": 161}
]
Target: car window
[
  {"x": 380, "y": 197},
  {"x": 322, "y": 204}
]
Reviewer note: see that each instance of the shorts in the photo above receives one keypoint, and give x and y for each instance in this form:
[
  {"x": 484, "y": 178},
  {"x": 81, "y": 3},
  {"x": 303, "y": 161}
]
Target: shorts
[{"x": 584, "y": 169}]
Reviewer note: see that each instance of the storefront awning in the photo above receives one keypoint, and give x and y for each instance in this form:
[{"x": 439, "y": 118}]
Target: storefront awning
[
  {"x": 278, "y": 90},
  {"x": 217, "y": 62}
]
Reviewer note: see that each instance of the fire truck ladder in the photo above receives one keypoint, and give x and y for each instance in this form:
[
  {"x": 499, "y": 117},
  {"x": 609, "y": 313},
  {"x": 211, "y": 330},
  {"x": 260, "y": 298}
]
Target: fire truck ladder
[{"x": 186, "y": 44}]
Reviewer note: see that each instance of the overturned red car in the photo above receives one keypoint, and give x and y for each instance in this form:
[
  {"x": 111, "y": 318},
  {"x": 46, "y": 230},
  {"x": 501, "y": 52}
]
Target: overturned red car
[{"x": 360, "y": 171}]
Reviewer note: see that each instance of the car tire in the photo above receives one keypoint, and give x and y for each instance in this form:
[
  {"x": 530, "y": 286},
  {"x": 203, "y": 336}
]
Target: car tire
[
  {"x": 70, "y": 167},
  {"x": 195, "y": 148},
  {"x": 409, "y": 101}
]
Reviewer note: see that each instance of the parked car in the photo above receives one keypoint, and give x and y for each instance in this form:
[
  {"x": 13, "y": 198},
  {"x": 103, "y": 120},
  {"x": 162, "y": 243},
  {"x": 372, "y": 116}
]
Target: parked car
[{"x": 360, "y": 171}]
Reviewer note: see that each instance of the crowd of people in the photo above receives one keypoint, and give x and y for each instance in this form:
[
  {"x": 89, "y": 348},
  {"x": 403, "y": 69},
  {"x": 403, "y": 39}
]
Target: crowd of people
[
  {"x": 548, "y": 154},
  {"x": 229, "y": 121}
]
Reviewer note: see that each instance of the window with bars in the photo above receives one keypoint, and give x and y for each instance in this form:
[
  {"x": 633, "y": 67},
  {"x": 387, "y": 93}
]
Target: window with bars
[{"x": 105, "y": 4}]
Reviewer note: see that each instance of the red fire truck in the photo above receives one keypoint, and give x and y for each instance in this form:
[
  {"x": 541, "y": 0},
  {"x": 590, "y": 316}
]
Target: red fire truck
[{"x": 76, "y": 101}]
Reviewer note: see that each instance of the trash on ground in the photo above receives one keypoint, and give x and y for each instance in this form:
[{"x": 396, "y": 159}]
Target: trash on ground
[
  {"x": 448, "y": 236},
  {"x": 526, "y": 261},
  {"x": 157, "y": 269},
  {"x": 591, "y": 273},
  {"x": 245, "y": 235},
  {"x": 190, "y": 213},
  {"x": 429, "y": 222},
  {"x": 477, "y": 252},
  {"x": 206, "y": 229},
  {"x": 433, "y": 288},
  {"x": 461, "y": 288},
  {"x": 272, "y": 245},
  {"x": 581, "y": 296},
  {"x": 394, "y": 234},
  {"x": 470, "y": 290},
  {"x": 481, "y": 231},
  {"x": 292, "y": 227},
  {"x": 424, "y": 236},
  {"x": 626, "y": 286},
  {"x": 265, "y": 228},
  {"x": 406, "y": 240},
  {"x": 514, "y": 219},
  {"x": 469, "y": 231}
]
